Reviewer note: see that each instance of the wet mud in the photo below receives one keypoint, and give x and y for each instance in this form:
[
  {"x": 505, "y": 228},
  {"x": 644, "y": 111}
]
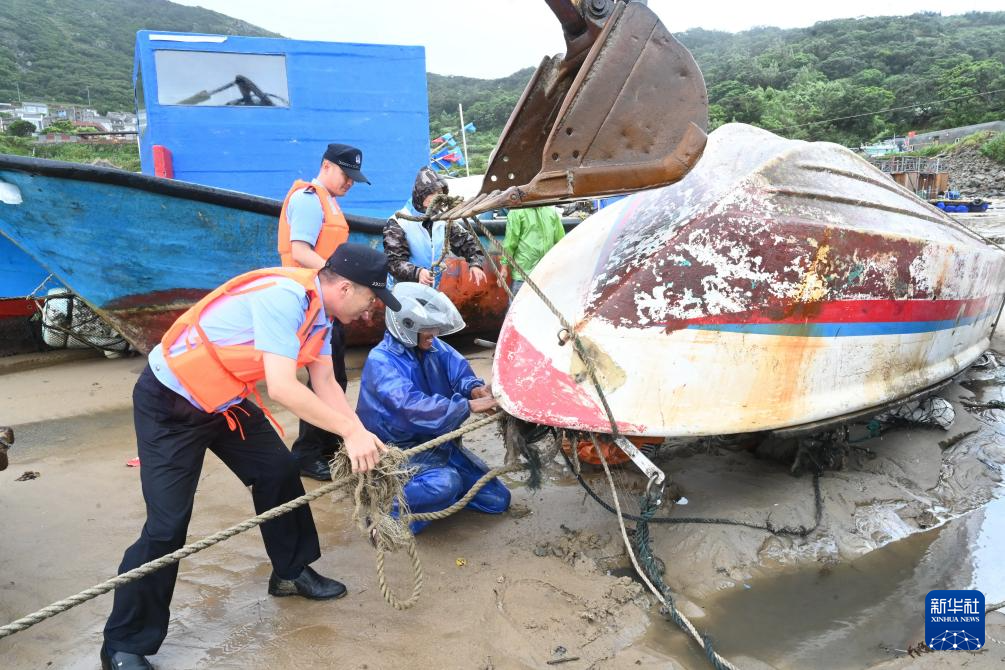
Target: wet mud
[{"x": 546, "y": 582}]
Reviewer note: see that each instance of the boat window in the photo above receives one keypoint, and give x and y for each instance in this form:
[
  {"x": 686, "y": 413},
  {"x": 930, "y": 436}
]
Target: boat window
[{"x": 212, "y": 79}]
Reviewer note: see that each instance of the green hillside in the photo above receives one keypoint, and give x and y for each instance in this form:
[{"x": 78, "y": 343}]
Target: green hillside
[
  {"x": 791, "y": 80},
  {"x": 822, "y": 82},
  {"x": 57, "y": 50}
]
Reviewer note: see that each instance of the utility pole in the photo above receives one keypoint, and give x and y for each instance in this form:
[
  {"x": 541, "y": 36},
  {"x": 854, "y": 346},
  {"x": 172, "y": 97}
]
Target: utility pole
[
  {"x": 88, "y": 95},
  {"x": 464, "y": 141},
  {"x": 18, "y": 91}
]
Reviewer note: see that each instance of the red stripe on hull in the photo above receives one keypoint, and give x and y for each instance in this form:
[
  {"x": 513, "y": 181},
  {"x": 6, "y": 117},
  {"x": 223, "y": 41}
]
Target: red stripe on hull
[
  {"x": 849, "y": 311},
  {"x": 16, "y": 307}
]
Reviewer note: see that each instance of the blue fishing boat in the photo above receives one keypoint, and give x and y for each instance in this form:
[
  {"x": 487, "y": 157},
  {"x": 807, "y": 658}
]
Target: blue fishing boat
[
  {"x": 225, "y": 125},
  {"x": 139, "y": 250},
  {"x": 240, "y": 118}
]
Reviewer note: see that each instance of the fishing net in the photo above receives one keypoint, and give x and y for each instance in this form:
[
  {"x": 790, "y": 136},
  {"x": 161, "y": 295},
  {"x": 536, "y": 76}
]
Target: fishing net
[{"x": 932, "y": 411}]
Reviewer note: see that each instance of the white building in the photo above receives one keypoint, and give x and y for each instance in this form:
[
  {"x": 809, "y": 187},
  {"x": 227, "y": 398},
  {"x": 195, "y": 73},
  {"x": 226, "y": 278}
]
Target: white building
[{"x": 33, "y": 112}]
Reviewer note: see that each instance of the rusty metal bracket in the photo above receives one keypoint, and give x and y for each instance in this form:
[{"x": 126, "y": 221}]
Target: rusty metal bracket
[{"x": 650, "y": 470}]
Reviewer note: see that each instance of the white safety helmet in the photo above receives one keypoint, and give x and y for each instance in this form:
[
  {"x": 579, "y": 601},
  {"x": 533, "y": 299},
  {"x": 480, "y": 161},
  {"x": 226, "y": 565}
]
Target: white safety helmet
[{"x": 422, "y": 308}]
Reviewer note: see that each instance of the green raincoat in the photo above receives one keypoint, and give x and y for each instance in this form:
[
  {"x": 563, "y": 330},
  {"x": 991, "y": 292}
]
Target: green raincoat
[{"x": 530, "y": 233}]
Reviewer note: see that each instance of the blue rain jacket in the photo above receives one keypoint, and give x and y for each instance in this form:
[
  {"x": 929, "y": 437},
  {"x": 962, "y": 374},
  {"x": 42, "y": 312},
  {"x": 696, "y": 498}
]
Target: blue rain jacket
[{"x": 407, "y": 400}]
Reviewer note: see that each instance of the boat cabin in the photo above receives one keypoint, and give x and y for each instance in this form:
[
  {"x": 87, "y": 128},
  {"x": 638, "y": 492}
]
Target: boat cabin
[{"x": 252, "y": 114}]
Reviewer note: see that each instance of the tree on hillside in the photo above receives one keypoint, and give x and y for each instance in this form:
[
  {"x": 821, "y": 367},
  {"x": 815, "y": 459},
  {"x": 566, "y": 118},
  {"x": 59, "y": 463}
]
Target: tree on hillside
[
  {"x": 61, "y": 126},
  {"x": 21, "y": 128},
  {"x": 969, "y": 83}
]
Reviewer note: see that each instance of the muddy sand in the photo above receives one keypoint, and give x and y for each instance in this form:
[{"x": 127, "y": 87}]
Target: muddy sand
[{"x": 545, "y": 582}]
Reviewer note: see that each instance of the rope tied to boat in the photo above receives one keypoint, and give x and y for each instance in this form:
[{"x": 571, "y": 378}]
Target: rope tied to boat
[
  {"x": 437, "y": 206},
  {"x": 650, "y": 502},
  {"x": 663, "y": 593}
]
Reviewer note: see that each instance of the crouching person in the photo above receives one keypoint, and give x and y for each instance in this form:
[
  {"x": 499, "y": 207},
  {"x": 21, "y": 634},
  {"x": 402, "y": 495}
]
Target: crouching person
[
  {"x": 415, "y": 387},
  {"x": 193, "y": 397}
]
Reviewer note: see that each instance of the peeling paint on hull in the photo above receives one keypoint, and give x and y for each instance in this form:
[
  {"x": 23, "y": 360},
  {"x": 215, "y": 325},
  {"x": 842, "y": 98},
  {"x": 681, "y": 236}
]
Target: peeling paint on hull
[{"x": 778, "y": 284}]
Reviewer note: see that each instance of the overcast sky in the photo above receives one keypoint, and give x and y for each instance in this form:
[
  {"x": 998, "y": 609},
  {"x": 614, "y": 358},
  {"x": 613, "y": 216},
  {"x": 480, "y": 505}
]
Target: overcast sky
[{"x": 494, "y": 38}]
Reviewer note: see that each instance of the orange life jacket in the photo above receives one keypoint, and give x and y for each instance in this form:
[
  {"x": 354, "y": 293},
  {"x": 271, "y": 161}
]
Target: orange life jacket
[
  {"x": 334, "y": 228},
  {"x": 215, "y": 374}
]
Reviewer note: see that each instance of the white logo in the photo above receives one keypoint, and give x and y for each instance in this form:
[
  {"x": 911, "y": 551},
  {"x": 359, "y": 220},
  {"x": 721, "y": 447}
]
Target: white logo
[{"x": 358, "y": 159}]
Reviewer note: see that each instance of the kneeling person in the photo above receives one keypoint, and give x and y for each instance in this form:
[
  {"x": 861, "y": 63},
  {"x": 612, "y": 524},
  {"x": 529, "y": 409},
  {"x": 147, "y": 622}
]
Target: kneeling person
[
  {"x": 416, "y": 387},
  {"x": 193, "y": 396}
]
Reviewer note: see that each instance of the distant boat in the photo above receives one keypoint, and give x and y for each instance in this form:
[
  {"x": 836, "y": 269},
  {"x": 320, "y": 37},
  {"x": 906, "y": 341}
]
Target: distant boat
[
  {"x": 139, "y": 250},
  {"x": 780, "y": 284}
]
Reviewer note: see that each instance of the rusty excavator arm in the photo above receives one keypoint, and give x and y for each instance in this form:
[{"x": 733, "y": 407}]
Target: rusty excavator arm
[{"x": 624, "y": 110}]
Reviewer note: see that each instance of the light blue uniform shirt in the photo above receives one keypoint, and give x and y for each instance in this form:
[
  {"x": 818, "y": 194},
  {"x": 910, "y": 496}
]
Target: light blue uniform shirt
[
  {"x": 305, "y": 216},
  {"x": 269, "y": 319}
]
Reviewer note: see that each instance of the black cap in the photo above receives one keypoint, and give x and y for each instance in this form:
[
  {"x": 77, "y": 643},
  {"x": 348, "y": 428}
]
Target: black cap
[
  {"x": 350, "y": 159},
  {"x": 365, "y": 266}
]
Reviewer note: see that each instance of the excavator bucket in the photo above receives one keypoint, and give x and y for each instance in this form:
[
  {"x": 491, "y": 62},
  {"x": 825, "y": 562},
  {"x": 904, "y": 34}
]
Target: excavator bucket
[{"x": 625, "y": 110}]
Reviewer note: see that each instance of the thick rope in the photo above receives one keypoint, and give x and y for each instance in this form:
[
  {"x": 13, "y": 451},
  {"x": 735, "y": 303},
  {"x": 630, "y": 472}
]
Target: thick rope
[
  {"x": 156, "y": 564},
  {"x": 374, "y": 493},
  {"x": 468, "y": 497},
  {"x": 385, "y": 590},
  {"x": 663, "y": 594},
  {"x": 147, "y": 568},
  {"x": 410, "y": 546}
]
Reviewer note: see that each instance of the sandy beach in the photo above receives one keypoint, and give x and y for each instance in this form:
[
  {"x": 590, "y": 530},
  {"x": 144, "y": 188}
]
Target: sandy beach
[{"x": 545, "y": 582}]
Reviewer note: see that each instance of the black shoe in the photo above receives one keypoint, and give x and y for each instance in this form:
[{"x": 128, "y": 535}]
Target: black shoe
[
  {"x": 317, "y": 469},
  {"x": 121, "y": 660},
  {"x": 309, "y": 585}
]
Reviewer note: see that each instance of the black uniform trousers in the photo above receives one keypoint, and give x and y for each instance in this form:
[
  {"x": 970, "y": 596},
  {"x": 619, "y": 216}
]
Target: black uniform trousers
[
  {"x": 172, "y": 437},
  {"x": 315, "y": 443}
]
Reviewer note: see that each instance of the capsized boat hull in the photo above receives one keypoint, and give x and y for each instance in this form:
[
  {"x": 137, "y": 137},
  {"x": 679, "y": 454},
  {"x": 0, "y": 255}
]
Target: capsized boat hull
[
  {"x": 781, "y": 283},
  {"x": 140, "y": 250}
]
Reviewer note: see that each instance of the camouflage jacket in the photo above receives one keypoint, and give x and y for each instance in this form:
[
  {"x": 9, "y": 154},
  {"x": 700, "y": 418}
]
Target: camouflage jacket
[{"x": 461, "y": 242}]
